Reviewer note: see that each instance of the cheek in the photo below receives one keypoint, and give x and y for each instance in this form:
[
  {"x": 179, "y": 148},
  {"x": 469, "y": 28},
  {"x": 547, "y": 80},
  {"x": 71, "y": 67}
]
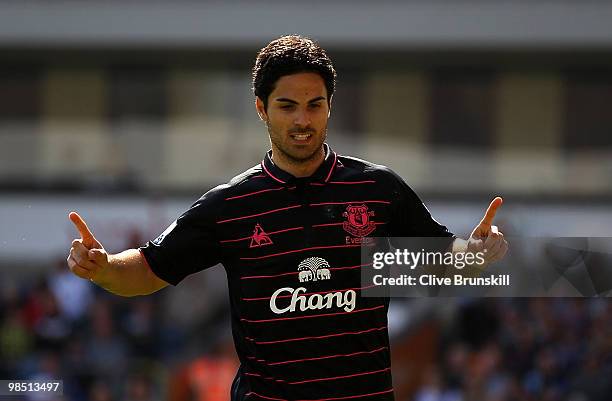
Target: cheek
[
  {"x": 321, "y": 120},
  {"x": 277, "y": 124},
  {"x": 283, "y": 120}
]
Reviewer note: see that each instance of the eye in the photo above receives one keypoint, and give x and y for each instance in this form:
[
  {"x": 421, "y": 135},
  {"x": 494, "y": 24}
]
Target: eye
[
  {"x": 287, "y": 107},
  {"x": 314, "y": 105}
]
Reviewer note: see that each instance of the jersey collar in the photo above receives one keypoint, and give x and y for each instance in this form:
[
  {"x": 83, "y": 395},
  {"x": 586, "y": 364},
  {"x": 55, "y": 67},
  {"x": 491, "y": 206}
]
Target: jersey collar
[{"x": 322, "y": 174}]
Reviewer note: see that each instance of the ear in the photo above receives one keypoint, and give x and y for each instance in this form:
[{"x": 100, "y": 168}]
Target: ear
[
  {"x": 330, "y": 106},
  {"x": 261, "y": 110}
]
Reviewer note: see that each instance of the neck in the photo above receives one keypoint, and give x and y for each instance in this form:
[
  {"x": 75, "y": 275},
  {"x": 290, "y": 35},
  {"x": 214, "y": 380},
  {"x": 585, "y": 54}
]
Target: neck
[{"x": 298, "y": 168}]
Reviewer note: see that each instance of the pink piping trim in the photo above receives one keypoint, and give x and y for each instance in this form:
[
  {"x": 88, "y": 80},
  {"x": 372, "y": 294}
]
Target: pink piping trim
[
  {"x": 258, "y": 214},
  {"x": 343, "y": 203},
  {"x": 301, "y": 250},
  {"x": 317, "y": 337},
  {"x": 351, "y": 396},
  {"x": 331, "y": 169},
  {"x": 270, "y": 233},
  {"x": 341, "y": 377},
  {"x": 296, "y": 272},
  {"x": 311, "y": 316},
  {"x": 254, "y": 193},
  {"x": 270, "y": 174}
]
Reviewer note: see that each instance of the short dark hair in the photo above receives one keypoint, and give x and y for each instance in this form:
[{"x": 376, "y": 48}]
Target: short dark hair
[{"x": 288, "y": 55}]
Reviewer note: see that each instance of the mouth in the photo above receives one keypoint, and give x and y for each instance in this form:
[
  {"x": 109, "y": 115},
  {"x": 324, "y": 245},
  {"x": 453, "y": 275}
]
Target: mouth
[{"x": 301, "y": 137}]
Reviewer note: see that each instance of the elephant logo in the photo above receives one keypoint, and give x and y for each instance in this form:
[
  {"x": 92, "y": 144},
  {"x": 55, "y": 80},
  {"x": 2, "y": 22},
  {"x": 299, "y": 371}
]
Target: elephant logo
[
  {"x": 305, "y": 275},
  {"x": 323, "y": 274},
  {"x": 313, "y": 269}
]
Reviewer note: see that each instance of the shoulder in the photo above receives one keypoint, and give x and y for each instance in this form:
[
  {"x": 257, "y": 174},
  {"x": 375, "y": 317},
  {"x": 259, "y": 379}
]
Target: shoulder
[
  {"x": 218, "y": 195},
  {"x": 246, "y": 176},
  {"x": 367, "y": 169}
]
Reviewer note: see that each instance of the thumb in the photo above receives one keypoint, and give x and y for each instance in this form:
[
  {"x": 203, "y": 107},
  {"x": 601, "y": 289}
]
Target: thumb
[{"x": 98, "y": 256}]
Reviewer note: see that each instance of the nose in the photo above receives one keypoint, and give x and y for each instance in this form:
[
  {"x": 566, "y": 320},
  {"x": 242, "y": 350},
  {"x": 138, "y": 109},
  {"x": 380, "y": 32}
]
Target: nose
[{"x": 302, "y": 119}]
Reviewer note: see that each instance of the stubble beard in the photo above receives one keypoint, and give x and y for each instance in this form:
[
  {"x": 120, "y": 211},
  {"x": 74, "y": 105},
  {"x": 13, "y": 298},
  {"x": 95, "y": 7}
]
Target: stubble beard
[{"x": 296, "y": 160}]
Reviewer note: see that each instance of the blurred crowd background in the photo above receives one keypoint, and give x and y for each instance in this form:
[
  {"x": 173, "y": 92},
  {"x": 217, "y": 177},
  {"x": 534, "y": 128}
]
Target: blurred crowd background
[{"x": 129, "y": 111}]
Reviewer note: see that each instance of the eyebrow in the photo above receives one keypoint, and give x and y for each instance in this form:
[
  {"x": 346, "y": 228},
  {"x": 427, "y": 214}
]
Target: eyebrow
[{"x": 287, "y": 100}]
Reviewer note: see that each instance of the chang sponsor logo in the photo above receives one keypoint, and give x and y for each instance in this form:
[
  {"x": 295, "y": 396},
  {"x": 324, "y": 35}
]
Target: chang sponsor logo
[
  {"x": 288, "y": 299},
  {"x": 313, "y": 269}
]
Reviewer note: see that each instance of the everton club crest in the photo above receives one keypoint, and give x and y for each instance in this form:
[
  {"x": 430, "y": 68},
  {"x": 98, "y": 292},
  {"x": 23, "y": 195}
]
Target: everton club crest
[{"x": 358, "y": 220}]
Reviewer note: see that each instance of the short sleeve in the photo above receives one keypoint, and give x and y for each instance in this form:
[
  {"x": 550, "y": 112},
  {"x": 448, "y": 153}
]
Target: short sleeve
[
  {"x": 189, "y": 244},
  {"x": 411, "y": 218}
]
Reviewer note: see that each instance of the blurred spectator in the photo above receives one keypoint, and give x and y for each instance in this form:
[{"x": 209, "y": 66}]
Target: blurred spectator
[
  {"x": 73, "y": 294},
  {"x": 544, "y": 349},
  {"x": 211, "y": 376},
  {"x": 593, "y": 382},
  {"x": 540, "y": 349},
  {"x": 15, "y": 341},
  {"x": 48, "y": 371},
  {"x": 101, "y": 391},
  {"x": 106, "y": 350},
  {"x": 50, "y": 326},
  {"x": 207, "y": 378},
  {"x": 78, "y": 374},
  {"x": 141, "y": 327},
  {"x": 434, "y": 390},
  {"x": 140, "y": 388}
]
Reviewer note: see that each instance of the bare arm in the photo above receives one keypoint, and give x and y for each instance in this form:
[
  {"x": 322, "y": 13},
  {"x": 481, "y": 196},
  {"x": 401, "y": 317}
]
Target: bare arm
[{"x": 126, "y": 273}]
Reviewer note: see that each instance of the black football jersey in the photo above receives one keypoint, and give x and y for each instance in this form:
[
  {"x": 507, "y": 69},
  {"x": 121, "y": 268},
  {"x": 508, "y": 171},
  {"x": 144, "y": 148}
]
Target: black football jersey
[{"x": 291, "y": 250}]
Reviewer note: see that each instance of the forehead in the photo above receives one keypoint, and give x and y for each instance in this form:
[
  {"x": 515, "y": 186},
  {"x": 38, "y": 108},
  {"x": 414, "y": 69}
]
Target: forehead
[{"x": 300, "y": 85}]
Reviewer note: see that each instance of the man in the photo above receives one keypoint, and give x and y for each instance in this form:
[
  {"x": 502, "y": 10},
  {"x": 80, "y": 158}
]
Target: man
[{"x": 288, "y": 232}]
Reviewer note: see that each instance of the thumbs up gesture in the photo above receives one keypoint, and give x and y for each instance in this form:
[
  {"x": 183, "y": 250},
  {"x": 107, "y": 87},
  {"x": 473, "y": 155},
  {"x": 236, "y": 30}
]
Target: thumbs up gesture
[
  {"x": 87, "y": 256},
  {"x": 486, "y": 237}
]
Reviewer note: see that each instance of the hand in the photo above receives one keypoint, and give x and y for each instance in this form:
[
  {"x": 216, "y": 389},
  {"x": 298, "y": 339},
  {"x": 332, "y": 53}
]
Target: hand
[
  {"x": 487, "y": 238},
  {"x": 87, "y": 257}
]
